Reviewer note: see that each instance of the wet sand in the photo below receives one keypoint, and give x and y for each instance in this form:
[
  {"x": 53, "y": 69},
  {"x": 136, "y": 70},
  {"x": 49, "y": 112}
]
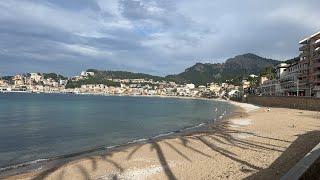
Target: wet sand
[{"x": 254, "y": 144}]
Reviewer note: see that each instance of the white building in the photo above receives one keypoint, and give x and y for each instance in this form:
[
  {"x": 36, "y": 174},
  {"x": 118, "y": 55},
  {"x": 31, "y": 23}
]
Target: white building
[
  {"x": 87, "y": 73},
  {"x": 281, "y": 69},
  {"x": 270, "y": 88},
  {"x": 289, "y": 80},
  {"x": 63, "y": 82},
  {"x": 18, "y": 80},
  {"x": 253, "y": 76},
  {"x": 94, "y": 88},
  {"x": 215, "y": 88},
  {"x": 190, "y": 86},
  {"x": 234, "y": 93},
  {"x": 35, "y": 77}
]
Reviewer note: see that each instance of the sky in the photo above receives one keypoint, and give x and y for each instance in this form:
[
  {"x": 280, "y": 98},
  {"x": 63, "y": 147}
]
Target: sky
[{"x": 158, "y": 37}]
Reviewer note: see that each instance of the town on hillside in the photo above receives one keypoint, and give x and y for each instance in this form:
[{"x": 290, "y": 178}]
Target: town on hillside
[
  {"x": 299, "y": 77},
  {"x": 37, "y": 83}
]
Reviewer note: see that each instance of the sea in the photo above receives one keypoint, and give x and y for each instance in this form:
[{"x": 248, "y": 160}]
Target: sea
[{"x": 36, "y": 128}]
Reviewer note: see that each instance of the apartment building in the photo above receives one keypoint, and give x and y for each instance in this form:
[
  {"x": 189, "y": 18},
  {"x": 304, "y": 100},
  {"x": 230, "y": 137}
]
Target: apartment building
[
  {"x": 310, "y": 64},
  {"x": 289, "y": 82},
  {"x": 270, "y": 88}
]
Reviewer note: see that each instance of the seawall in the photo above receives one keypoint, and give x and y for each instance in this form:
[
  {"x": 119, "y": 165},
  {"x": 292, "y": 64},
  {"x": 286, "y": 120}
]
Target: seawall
[{"x": 304, "y": 103}]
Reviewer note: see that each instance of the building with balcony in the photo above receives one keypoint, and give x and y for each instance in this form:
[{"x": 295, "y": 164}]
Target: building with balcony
[
  {"x": 270, "y": 88},
  {"x": 310, "y": 64},
  {"x": 289, "y": 81}
]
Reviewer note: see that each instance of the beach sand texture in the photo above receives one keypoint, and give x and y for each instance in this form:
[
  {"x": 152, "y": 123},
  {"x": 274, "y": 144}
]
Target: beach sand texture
[{"x": 256, "y": 145}]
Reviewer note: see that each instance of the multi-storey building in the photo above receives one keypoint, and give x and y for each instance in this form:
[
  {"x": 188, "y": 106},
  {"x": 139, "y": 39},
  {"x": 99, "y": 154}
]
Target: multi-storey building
[
  {"x": 310, "y": 62},
  {"x": 18, "y": 80},
  {"x": 281, "y": 69},
  {"x": 270, "y": 88},
  {"x": 303, "y": 77},
  {"x": 289, "y": 81}
]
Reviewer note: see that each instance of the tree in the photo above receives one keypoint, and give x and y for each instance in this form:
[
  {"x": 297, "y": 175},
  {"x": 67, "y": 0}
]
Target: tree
[{"x": 269, "y": 72}]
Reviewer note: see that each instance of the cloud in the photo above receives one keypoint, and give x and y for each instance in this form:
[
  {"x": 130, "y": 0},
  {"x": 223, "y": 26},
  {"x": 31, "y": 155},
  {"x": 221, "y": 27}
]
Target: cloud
[
  {"x": 87, "y": 50},
  {"x": 151, "y": 36}
]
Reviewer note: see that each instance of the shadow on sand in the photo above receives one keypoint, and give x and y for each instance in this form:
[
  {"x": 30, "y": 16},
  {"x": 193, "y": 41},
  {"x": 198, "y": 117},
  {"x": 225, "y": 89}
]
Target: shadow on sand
[
  {"x": 304, "y": 143},
  {"x": 214, "y": 138}
]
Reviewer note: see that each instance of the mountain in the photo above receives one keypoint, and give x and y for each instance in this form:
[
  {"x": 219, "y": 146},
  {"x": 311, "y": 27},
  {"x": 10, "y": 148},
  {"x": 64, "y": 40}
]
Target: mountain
[{"x": 234, "y": 69}]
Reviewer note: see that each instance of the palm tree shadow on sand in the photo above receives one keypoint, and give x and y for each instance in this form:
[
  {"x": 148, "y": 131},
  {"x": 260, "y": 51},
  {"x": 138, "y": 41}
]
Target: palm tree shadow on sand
[
  {"x": 213, "y": 138},
  {"x": 305, "y": 142}
]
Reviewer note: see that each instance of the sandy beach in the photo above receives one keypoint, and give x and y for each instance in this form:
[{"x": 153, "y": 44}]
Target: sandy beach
[{"x": 254, "y": 144}]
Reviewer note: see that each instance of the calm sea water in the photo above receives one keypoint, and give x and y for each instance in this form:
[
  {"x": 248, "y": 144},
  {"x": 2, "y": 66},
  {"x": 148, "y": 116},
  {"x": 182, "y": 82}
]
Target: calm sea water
[{"x": 35, "y": 126}]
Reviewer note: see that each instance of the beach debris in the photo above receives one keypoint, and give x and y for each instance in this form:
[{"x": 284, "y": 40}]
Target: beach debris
[{"x": 293, "y": 126}]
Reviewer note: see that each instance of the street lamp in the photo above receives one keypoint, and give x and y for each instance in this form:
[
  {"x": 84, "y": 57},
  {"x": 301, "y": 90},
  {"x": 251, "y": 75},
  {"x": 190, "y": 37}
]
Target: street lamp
[{"x": 297, "y": 86}]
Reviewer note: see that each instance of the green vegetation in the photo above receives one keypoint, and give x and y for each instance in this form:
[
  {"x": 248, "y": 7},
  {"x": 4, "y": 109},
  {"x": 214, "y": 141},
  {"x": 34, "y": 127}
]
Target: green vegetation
[
  {"x": 293, "y": 60},
  {"x": 124, "y": 75},
  {"x": 7, "y": 78},
  {"x": 254, "y": 81},
  {"x": 91, "y": 80},
  {"x": 233, "y": 70},
  {"x": 269, "y": 72},
  {"x": 104, "y": 77},
  {"x": 54, "y": 76}
]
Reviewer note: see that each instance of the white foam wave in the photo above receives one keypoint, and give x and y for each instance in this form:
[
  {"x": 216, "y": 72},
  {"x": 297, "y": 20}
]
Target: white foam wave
[{"x": 23, "y": 164}]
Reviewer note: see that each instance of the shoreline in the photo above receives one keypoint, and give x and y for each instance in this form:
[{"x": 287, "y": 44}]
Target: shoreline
[
  {"x": 246, "y": 106},
  {"x": 119, "y": 95},
  {"x": 240, "y": 146},
  {"x": 51, "y": 162},
  {"x": 107, "y": 95}
]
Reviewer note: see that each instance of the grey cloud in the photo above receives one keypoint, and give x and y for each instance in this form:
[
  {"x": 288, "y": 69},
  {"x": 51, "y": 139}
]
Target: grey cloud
[
  {"x": 161, "y": 14},
  {"x": 158, "y": 37},
  {"x": 74, "y": 5}
]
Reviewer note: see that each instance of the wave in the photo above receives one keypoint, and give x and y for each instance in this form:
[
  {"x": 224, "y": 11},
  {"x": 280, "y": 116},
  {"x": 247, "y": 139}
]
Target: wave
[
  {"x": 23, "y": 164},
  {"x": 162, "y": 135},
  {"x": 136, "y": 141},
  {"x": 197, "y": 126}
]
